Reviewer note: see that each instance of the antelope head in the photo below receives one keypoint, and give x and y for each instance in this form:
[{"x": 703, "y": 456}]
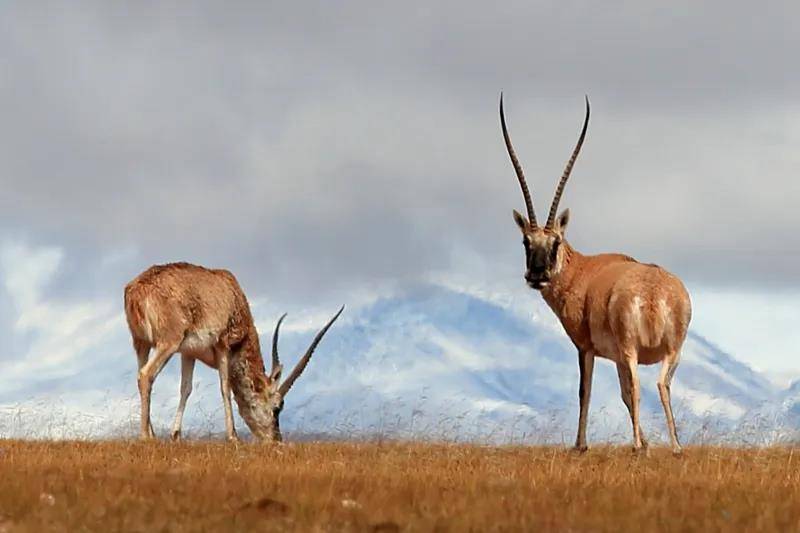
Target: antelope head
[
  {"x": 543, "y": 250},
  {"x": 267, "y": 419}
]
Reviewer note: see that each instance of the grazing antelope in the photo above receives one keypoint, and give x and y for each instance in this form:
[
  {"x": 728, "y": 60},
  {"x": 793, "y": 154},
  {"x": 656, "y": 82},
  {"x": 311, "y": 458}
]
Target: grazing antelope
[
  {"x": 204, "y": 315},
  {"x": 610, "y": 305}
]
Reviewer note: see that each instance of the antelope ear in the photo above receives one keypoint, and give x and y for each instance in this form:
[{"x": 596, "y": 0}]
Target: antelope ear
[
  {"x": 562, "y": 221},
  {"x": 521, "y": 221},
  {"x": 275, "y": 375}
]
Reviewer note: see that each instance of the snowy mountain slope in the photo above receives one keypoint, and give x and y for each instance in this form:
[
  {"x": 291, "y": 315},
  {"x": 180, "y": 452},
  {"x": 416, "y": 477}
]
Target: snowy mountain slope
[
  {"x": 428, "y": 362},
  {"x": 788, "y": 408},
  {"x": 438, "y": 355}
]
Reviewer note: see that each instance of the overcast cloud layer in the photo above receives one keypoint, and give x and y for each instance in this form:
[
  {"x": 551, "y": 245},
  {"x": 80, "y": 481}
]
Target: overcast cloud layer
[{"x": 322, "y": 150}]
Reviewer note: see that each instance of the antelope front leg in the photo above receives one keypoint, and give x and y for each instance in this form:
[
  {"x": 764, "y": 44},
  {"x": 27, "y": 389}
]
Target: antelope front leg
[
  {"x": 223, "y": 361},
  {"x": 586, "y": 365}
]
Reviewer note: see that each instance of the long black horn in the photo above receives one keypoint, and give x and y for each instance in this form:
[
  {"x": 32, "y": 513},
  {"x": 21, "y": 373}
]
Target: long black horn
[
  {"x": 517, "y": 167},
  {"x": 551, "y": 218},
  {"x": 301, "y": 365},
  {"x": 276, "y": 362}
]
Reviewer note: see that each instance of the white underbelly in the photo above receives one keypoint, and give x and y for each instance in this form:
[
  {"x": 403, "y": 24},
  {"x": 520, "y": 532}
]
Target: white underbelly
[{"x": 200, "y": 342}]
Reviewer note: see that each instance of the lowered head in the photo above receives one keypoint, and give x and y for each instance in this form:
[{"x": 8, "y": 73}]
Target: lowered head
[{"x": 263, "y": 414}]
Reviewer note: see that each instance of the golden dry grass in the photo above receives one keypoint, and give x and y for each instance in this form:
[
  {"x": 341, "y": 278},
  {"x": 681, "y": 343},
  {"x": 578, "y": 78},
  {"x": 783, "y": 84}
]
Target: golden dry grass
[{"x": 204, "y": 486}]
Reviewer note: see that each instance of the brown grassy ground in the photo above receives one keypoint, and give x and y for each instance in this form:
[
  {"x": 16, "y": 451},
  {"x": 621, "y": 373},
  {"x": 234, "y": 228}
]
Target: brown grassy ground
[{"x": 202, "y": 486}]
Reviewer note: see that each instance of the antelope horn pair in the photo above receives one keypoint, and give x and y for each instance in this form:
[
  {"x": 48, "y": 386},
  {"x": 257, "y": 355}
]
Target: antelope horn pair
[
  {"x": 301, "y": 365},
  {"x": 551, "y": 218}
]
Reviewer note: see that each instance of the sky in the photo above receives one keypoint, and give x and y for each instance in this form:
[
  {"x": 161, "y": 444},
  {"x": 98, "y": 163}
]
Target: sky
[{"x": 328, "y": 153}]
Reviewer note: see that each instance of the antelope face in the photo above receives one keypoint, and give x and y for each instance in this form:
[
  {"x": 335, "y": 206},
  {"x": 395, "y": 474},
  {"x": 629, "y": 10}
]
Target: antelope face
[
  {"x": 542, "y": 250},
  {"x": 261, "y": 412},
  {"x": 273, "y": 405}
]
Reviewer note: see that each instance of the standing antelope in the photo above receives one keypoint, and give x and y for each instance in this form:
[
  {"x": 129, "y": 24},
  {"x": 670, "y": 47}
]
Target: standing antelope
[
  {"x": 204, "y": 315},
  {"x": 610, "y": 305}
]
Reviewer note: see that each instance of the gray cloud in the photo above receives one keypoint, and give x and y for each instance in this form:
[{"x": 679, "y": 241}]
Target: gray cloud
[{"x": 313, "y": 149}]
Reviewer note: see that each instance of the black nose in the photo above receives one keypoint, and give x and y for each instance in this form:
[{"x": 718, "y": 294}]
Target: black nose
[{"x": 536, "y": 271}]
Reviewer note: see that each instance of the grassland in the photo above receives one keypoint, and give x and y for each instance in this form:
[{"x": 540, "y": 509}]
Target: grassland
[{"x": 208, "y": 486}]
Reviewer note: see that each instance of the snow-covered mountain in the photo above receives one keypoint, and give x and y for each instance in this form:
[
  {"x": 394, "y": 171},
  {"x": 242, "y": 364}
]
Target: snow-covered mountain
[
  {"x": 437, "y": 362},
  {"x": 789, "y": 408}
]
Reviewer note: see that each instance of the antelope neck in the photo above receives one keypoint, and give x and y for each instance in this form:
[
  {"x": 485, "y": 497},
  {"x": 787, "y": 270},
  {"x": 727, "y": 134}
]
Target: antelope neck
[{"x": 248, "y": 381}]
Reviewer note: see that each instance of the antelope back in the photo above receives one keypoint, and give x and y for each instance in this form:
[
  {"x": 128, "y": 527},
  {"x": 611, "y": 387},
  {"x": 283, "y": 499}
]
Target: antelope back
[{"x": 167, "y": 302}]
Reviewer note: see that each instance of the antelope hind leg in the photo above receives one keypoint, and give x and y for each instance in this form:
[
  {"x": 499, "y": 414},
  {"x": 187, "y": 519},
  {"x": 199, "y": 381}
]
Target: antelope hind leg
[
  {"x": 625, "y": 392},
  {"x": 187, "y": 374},
  {"x": 147, "y": 375},
  {"x": 668, "y": 368}
]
